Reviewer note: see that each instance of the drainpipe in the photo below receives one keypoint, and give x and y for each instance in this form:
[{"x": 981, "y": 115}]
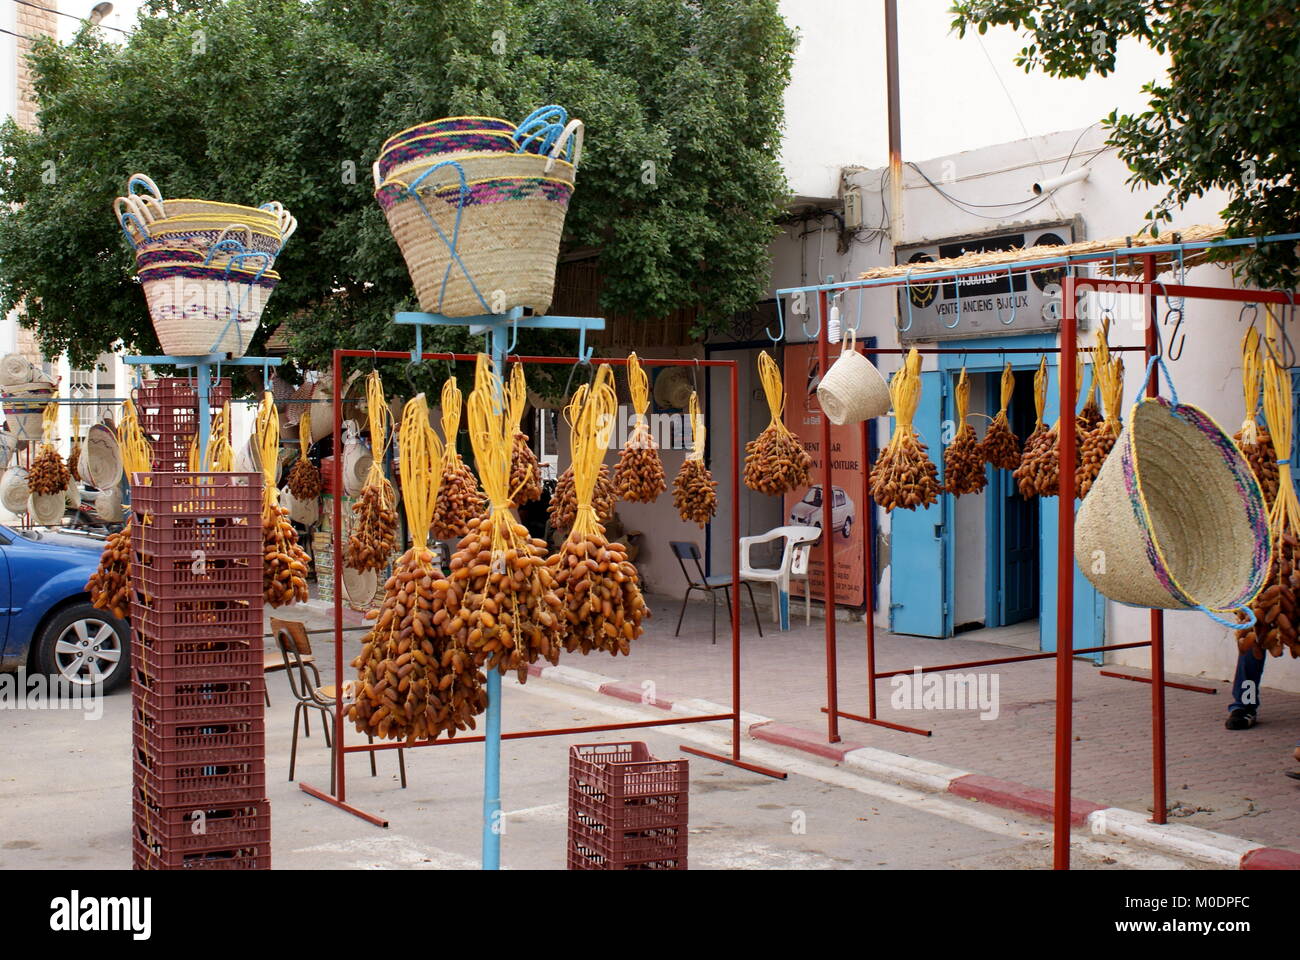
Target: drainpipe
[{"x": 895, "y": 124}]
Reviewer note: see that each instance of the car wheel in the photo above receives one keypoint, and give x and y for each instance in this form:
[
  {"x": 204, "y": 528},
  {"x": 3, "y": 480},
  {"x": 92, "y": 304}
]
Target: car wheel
[
  {"x": 847, "y": 528},
  {"x": 83, "y": 645}
]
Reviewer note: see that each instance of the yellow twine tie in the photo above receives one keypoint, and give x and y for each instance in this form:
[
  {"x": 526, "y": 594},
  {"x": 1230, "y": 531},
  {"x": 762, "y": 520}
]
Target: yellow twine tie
[
  {"x": 590, "y": 415},
  {"x": 137, "y": 454},
  {"x": 1008, "y": 387},
  {"x": 268, "y": 445},
  {"x": 421, "y": 453},
  {"x": 492, "y": 438},
  {"x": 773, "y": 388},
  {"x": 698, "y": 430}
]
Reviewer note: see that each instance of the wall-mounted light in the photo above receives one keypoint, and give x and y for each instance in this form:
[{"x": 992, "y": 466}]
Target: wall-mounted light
[
  {"x": 1047, "y": 186},
  {"x": 99, "y": 11}
]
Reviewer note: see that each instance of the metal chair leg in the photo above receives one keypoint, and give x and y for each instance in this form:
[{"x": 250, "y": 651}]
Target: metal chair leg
[
  {"x": 326, "y": 723},
  {"x": 685, "y": 598},
  {"x": 293, "y": 750},
  {"x": 371, "y": 740},
  {"x": 401, "y": 764},
  {"x": 753, "y": 606},
  {"x": 306, "y": 725},
  {"x": 713, "y": 595}
]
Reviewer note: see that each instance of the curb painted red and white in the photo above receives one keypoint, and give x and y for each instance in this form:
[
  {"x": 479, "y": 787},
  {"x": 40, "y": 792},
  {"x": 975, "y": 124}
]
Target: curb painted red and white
[{"x": 1176, "y": 838}]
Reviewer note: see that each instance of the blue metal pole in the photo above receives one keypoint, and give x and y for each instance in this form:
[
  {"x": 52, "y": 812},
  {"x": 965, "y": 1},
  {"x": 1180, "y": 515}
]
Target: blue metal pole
[
  {"x": 204, "y": 373},
  {"x": 493, "y": 821}
]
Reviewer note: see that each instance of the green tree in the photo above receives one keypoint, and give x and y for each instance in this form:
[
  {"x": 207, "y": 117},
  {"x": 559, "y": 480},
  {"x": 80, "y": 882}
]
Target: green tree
[
  {"x": 1226, "y": 117},
  {"x": 251, "y": 100}
]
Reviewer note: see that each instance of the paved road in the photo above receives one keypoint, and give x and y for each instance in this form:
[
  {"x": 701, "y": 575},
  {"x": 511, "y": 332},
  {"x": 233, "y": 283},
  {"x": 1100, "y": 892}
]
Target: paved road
[{"x": 65, "y": 786}]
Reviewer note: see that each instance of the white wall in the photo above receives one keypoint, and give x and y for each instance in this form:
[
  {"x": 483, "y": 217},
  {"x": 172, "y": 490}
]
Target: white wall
[{"x": 1207, "y": 374}]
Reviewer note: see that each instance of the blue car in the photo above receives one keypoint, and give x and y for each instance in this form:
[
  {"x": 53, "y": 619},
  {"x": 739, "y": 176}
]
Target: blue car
[{"x": 47, "y": 624}]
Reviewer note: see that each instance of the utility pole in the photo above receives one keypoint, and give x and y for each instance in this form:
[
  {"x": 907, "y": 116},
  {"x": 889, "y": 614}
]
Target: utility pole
[{"x": 895, "y": 124}]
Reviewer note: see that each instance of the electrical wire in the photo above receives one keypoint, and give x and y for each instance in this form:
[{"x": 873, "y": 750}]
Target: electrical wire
[{"x": 962, "y": 204}]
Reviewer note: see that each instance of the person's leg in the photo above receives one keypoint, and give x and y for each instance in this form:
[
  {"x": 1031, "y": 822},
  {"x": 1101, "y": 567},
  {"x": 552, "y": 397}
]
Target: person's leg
[{"x": 1245, "y": 692}]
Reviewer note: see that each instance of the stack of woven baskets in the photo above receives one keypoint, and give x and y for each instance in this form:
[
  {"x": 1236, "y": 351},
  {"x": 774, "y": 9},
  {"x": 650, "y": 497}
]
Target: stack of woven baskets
[
  {"x": 205, "y": 266},
  {"x": 477, "y": 206},
  {"x": 26, "y": 391}
]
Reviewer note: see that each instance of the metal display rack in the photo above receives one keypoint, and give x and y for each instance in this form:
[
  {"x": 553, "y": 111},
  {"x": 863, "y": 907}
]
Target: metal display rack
[
  {"x": 1071, "y": 286},
  {"x": 498, "y": 327}
]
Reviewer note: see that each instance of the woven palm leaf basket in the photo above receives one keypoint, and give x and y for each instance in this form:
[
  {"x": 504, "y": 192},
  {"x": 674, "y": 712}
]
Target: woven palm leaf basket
[{"x": 1176, "y": 519}]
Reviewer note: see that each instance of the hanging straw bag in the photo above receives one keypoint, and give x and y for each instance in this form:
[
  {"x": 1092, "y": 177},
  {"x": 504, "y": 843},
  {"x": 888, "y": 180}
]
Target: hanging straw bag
[
  {"x": 14, "y": 490},
  {"x": 481, "y": 233},
  {"x": 47, "y": 509},
  {"x": 201, "y": 309},
  {"x": 853, "y": 389},
  {"x": 1175, "y": 519},
  {"x": 23, "y": 406}
]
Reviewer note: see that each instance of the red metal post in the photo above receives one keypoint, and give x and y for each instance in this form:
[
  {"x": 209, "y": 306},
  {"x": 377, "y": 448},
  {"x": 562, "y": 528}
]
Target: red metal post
[
  {"x": 735, "y": 562},
  {"x": 869, "y": 576},
  {"x": 1065, "y": 582},
  {"x": 1160, "y": 805},
  {"x": 336, "y": 488},
  {"x": 828, "y": 533}
]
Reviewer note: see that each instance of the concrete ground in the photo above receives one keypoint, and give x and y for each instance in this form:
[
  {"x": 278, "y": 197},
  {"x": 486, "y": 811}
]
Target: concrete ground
[{"x": 65, "y": 784}]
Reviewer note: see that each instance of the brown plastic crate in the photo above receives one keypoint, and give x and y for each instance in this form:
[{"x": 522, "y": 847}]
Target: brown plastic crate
[
  {"x": 635, "y": 813},
  {"x": 172, "y": 729},
  {"x": 629, "y": 846},
  {"x": 194, "y": 661},
  {"x": 219, "y": 538},
  {"x": 623, "y": 771},
  {"x": 201, "y": 744},
  {"x": 188, "y": 829},
  {"x": 172, "y": 403},
  {"x": 167, "y": 785},
  {"x": 175, "y": 621},
  {"x": 164, "y": 684},
  {"x": 206, "y": 703},
  {"x": 146, "y": 856},
  {"x": 198, "y": 495},
  {"x": 583, "y": 857},
  {"x": 217, "y": 577}
]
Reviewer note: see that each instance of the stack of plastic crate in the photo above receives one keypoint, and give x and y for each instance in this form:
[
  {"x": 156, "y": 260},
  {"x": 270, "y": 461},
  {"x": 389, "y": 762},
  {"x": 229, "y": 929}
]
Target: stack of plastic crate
[
  {"x": 169, "y": 413},
  {"x": 199, "y": 778},
  {"x": 627, "y": 809}
]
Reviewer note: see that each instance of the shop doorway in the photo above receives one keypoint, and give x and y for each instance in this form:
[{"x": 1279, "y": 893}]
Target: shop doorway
[{"x": 1013, "y": 522}]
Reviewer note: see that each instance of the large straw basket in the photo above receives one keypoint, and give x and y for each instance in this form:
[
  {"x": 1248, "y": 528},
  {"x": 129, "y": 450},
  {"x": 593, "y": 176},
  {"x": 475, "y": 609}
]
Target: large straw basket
[
  {"x": 481, "y": 233},
  {"x": 1176, "y": 519},
  {"x": 852, "y": 389},
  {"x": 23, "y": 406},
  {"x": 199, "y": 310}
]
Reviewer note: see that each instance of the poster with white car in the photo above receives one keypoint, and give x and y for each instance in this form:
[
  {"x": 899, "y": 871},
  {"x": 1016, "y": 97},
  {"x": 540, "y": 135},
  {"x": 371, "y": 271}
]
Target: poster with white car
[{"x": 806, "y": 505}]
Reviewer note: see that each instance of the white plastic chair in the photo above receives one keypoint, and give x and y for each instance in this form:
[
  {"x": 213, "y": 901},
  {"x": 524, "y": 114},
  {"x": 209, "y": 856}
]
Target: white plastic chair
[{"x": 798, "y": 540}]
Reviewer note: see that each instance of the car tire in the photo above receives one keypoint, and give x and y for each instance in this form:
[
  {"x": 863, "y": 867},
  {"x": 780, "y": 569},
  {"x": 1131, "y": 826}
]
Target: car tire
[
  {"x": 847, "y": 528},
  {"x": 80, "y": 627}
]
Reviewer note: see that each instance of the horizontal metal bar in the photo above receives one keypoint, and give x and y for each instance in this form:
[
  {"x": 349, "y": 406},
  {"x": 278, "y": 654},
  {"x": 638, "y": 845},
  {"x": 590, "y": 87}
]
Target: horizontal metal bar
[
  {"x": 722, "y": 758},
  {"x": 1035, "y": 351},
  {"x": 525, "y": 734},
  {"x": 1017, "y": 659},
  {"x": 880, "y": 723},
  {"x": 1168, "y": 683},
  {"x": 1177, "y": 290},
  {"x": 501, "y": 320},
  {"x": 1047, "y": 263},
  {"x": 516, "y": 358},
  {"x": 347, "y": 807}
]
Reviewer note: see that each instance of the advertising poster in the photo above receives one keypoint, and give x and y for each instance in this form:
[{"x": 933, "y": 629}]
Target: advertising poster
[{"x": 804, "y": 506}]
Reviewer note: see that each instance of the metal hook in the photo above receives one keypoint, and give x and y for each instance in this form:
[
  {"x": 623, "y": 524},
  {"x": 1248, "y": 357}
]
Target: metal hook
[
  {"x": 781, "y": 317},
  {"x": 907, "y": 295},
  {"x": 591, "y": 373},
  {"x": 1176, "y": 343},
  {"x": 584, "y": 351},
  {"x": 1288, "y": 348},
  {"x": 857, "y": 323},
  {"x": 1011, "y": 291},
  {"x": 804, "y": 324},
  {"x": 956, "y": 281}
]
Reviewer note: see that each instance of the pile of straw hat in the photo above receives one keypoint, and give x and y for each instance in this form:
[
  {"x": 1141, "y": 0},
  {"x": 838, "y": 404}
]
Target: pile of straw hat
[{"x": 25, "y": 391}]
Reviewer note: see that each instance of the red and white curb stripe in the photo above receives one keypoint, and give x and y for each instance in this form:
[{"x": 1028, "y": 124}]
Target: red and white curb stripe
[{"x": 1176, "y": 838}]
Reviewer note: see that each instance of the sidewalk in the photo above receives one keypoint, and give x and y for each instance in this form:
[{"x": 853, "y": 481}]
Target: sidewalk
[{"x": 1227, "y": 781}]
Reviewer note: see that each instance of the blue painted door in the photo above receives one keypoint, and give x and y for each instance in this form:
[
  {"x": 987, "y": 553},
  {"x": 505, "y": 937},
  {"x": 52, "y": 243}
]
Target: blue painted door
[
  {"x": 919, "y": 538},
  {"x": 1089, "y": 605},
  {"x": 1017, "y": 521}
]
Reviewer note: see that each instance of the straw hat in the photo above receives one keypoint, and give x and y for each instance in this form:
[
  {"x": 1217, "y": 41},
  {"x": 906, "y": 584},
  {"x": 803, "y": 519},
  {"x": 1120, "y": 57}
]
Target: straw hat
[
  {"x": 359, "y": 586},
  {"x": 356, "y": 464},
  {"x": 72, "y": 494},
  {"x": 47, "y": 509},
  {"x": 305, "y": 512},
  {"x": 108, "y": 505},
  {"x": 101, "y": 457},
  {"x": 13, "y": 489},
  {"x": 322, "y": 419},
  {"x": 16, "y": 369},
  {"x": 8, "y": 444},
  {"x": 673, "y": 388}
]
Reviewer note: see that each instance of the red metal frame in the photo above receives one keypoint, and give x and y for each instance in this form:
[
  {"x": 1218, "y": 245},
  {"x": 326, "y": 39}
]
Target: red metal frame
[
  {"x": 339, "y": 799},
  {"x": 1150, "y": 289}
]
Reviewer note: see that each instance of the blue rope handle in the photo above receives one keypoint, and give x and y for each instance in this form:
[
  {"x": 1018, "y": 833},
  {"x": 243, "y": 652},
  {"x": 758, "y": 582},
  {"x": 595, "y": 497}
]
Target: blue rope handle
[
  {"x": 1231, "y": 624},
  {"x": 1146, "y": 378},
  {"x": 463, "y": 194},
  {"x": 543, "y": 126},
  {"x": 233, "y": 245},
  {"x": 127, "y": 233}
]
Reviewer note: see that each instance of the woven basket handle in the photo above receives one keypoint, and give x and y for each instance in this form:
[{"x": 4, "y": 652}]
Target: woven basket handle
[
  {"x": 124, "y": 215},
  {"x": 572, "y": 134},
  {"x": 850, "y": 342},
  {"x": 144, "y": 181},
  {"x": 1146, "y": 378},
  {"x": 1231, "y": 624},
  {"x": 541, "y": 124},
  {"x": 222, "y": 238}
]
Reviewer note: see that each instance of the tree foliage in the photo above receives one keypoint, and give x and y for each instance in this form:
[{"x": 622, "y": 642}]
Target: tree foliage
[
  {"x": 252, "y": 100},
  {"x": 1226, "y": 117}
]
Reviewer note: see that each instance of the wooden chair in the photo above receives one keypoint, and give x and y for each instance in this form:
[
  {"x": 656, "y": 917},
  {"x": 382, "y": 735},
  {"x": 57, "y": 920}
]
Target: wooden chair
[
  {"x": 722, "y": 581},
  {"x": 275, "y": 662},
  {"x": 291, "y": 638}
]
